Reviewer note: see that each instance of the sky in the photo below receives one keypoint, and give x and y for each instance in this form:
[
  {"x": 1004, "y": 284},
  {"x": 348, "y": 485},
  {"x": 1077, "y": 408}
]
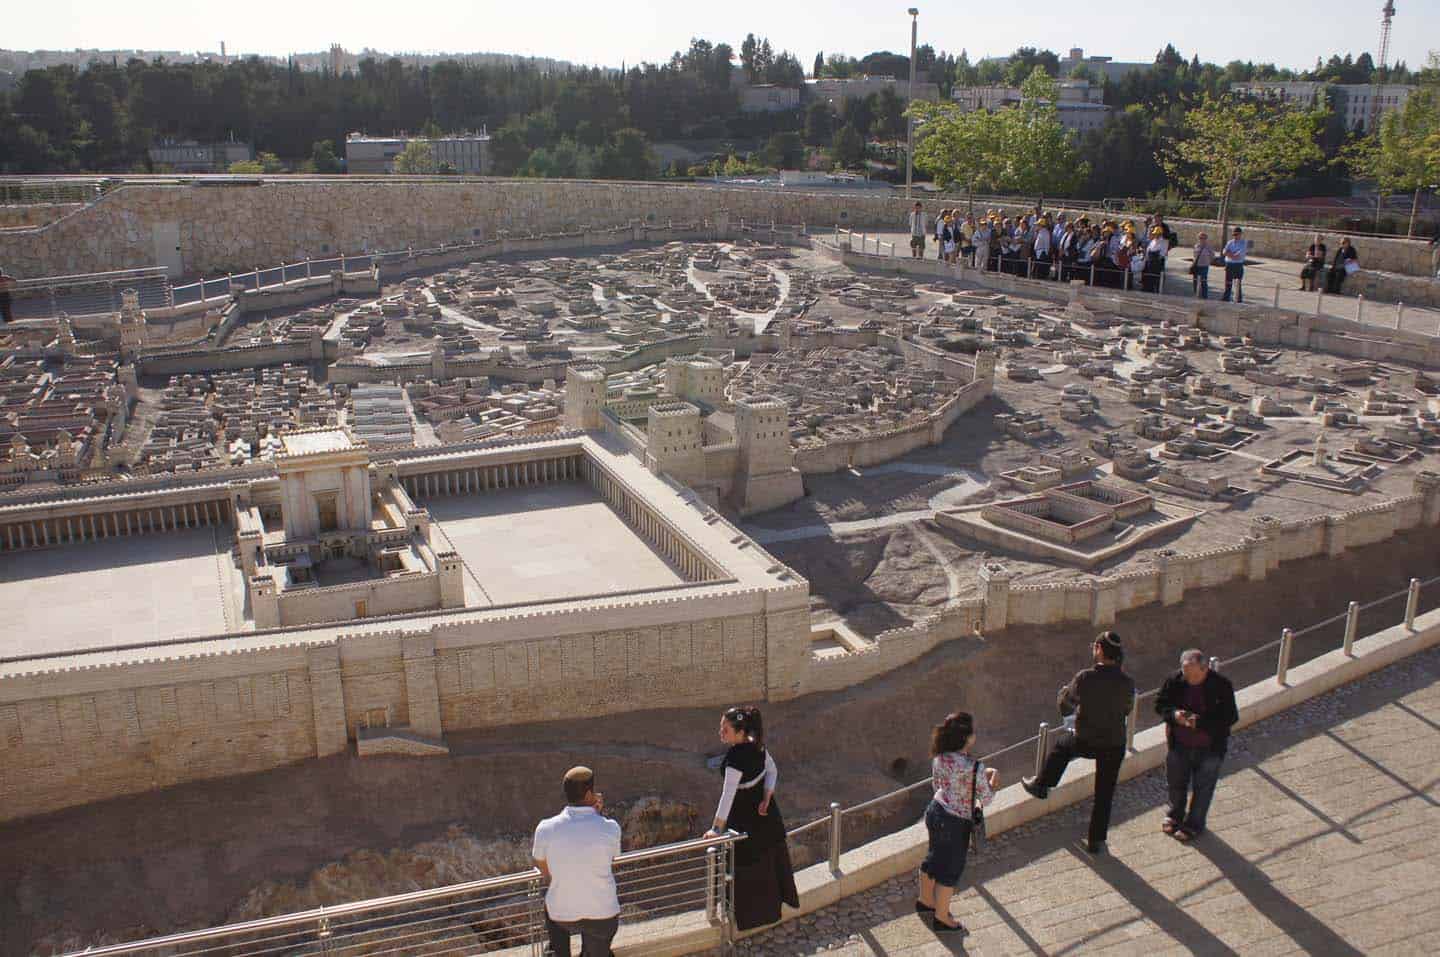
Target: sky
[{"x": 1287, "y": 32}]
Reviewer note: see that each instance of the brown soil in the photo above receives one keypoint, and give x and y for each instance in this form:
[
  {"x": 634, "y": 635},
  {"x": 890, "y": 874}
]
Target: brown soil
[{"x": 188, "y": 855}]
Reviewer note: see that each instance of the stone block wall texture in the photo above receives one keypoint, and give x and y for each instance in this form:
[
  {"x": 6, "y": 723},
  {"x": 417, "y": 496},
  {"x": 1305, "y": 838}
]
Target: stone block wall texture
[{"x": 232, "y": 229}]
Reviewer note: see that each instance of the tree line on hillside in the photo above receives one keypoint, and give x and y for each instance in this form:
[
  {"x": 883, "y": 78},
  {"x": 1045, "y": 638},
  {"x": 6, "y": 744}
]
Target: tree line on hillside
[{"x": 591, "y": 122}]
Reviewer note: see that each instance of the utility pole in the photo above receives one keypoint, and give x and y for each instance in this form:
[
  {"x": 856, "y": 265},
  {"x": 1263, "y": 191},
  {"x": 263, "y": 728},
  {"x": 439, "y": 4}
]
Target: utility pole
[{"x": 910, "y": 102}]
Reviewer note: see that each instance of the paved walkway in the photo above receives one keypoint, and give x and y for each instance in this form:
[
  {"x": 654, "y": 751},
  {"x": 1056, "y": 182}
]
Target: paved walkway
[{"x": 1323, "y": 840}]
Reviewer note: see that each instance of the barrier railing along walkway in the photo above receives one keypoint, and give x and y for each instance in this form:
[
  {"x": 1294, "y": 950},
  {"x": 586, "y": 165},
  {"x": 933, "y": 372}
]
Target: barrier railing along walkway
[
  {"x": 689, "y": 883},
  {"x": 1283, "y": 648},
  {"x": 662, "y": 886}
]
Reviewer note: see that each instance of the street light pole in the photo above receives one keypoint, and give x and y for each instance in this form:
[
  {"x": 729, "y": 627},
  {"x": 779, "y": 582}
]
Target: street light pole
[{"x": 909, "y": 103}]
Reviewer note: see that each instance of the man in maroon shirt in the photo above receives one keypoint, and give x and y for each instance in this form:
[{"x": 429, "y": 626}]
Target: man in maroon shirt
[{"x": 1198, "y": 705}]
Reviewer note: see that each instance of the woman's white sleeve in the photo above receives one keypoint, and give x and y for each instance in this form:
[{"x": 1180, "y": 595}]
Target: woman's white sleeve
[
  {"x": 772, "y": 773},
  {"x": 727, "y": 794}
]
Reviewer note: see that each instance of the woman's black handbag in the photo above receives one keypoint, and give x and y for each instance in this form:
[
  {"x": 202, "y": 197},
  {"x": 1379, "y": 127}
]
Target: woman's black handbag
[{"x": 977, "y": 813}]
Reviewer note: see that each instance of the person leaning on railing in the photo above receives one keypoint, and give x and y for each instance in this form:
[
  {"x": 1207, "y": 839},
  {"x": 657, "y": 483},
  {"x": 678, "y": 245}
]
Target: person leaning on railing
[
  {"x": 962, "y": 784},
  {"x": 575, "y": 851},
  {"x": 1198, "y": 705},
  {"x": 764, "y": 877}
]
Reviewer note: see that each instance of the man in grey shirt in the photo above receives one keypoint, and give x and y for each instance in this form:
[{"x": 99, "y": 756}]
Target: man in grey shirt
[{"x": 917, "y": 232}]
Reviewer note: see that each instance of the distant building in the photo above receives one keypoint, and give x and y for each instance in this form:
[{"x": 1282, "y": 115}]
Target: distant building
[
  {"x": 463, "y": 152},
  {"x": 768, "y": 98},
  {"x": 1079, "y": 104},
  {"x": 836, "y": 91},
  {"x": 188, "y": 156},
  {"x": 1100, "y": 66},
  {"x": 1356, "y": 103}
]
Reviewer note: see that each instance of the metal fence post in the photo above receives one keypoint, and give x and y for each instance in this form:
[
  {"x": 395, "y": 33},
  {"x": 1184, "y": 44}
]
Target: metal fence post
[
  {"x": 1319, "y": 299},
  {"x": 1282, "y": 667},
  {"x": 1399, "y": 314},
  {"x": 1042, "y": 743},
  {"x": 323, "y": 932},
  {"x": 1092, "y": 272},
  {"x": 307, "y": 267},
  {"x": 1412, "y": 604},
  {"x": 1352, "y": 625},
  {"x": 1162, "y": 282},
  {"x": 1360, "y": 310},
  {"x": 282, "y": 272},
  {"x": 712, "y": 874},
  {"x": 535, "y": 907},
  {"x": 837, "y": 815},
  {"x": 1214, "y": 663},
  {"x": 257, "y": 278},
  {"x": 1277, "y": 296}
]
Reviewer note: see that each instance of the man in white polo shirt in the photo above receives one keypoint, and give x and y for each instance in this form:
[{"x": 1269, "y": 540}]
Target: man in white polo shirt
[{"x": 574, "y": 850}]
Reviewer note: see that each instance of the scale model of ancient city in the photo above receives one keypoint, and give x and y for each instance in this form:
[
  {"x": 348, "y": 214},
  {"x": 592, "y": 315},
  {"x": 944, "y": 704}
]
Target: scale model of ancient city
[{"x": 410, "y": 533}]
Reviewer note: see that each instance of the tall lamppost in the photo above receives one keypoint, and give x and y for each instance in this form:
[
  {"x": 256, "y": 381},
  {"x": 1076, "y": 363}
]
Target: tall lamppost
[{"x": 909, "y": 103}]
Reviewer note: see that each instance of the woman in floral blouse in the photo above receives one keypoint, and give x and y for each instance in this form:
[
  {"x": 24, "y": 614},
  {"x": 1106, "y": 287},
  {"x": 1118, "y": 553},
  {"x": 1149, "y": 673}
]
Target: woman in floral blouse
[{"x": 961, "y": 783}]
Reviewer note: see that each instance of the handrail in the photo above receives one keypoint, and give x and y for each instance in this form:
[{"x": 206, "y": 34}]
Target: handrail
[
  {"x": 1282, "y": 643},
  {"x": 322, "y": 916}
]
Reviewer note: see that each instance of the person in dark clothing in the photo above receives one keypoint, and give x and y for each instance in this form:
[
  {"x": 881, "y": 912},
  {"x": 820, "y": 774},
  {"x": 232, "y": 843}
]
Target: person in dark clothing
[
  {"x": 7, "y": 283},
  {"x": 1314, "y": 272},
  {"x": 1198, "y": 705},
  {"x": 1341, "y": 267},
  {"x": 764, "y": 877},
  {"x": 1100, "y": 698}
]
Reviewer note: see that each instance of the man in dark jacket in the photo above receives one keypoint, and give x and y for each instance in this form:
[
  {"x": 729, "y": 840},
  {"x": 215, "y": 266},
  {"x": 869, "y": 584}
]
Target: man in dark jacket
[
  {"x": 1198, "y": 705},
  {"x": 1100, "y": 698}
]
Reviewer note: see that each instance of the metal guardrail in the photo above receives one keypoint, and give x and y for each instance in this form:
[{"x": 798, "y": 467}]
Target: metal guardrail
[
  {"x": 1283, "y": 646},
  {"x": 497, "y": 913},
  {"x": 88, "y": 294}
]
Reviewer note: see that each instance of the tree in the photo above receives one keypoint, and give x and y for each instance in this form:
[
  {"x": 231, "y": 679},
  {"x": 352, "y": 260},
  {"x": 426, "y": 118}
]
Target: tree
[
  {"x": 246, "y": 166},
  {"x": 819, "y": 66},
  {"x": 819, "y": 123},
  {"x": 416, "y": 158},
  {"x": 957, "y": 148},
  {"x": 849, "y": 147},
  {"x": 323, "y": 158},
  {"x": 747, "y": 56},
  {"x": 270, "y": 163},
  {"x": 1230, "y": 142},
  {"x": 1403, "y": 155},
  {"x": 784, "y": 151},
  {"x": 889, "y": 121}
]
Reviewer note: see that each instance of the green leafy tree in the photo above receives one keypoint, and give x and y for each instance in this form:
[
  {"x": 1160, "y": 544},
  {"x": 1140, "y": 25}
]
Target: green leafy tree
[
  {"x": 415, "y": 159},
  {"x": 784, "y": 151},
  {"x": 819, "y": 123},
  {"x": 323, "y": 158},
  {"x": 1230, "y": 142},
  {"x": 849, "y": 147},
  {"x": 819, "y": 67},
  {"x": 247, "y": 166},
  {"x": 958, "y": 149},
  {"x": 1403, "y": 155}
]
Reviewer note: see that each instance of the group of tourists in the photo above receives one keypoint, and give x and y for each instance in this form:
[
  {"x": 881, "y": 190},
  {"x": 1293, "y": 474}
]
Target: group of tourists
[
  {"x": 1117, "y": 254},
  {"x": 1120, "y": 254},
  {"x": 576, "y": 848}
]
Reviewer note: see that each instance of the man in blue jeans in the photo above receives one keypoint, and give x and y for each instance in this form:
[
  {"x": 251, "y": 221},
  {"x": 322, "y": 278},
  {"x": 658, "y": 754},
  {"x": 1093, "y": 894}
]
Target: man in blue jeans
[
  {"x": 1235, "y": 252},
  {"x": 1198, "y": 705}
]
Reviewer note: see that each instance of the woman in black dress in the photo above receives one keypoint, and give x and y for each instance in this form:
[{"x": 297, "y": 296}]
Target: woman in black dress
[{"x": 763, "y": 875}]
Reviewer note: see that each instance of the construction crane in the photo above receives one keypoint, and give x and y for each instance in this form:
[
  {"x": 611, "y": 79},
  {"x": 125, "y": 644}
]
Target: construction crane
[{"x": 1387, "y": 14}]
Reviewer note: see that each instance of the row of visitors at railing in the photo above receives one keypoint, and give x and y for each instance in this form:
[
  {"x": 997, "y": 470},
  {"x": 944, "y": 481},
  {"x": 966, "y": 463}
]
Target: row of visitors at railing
[
  {"x": 1118, "y": 254},
  {"x": 574, "y": 850}
]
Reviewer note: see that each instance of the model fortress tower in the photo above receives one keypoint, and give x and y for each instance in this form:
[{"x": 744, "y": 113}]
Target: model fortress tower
[{"x": 767, "y": 475}]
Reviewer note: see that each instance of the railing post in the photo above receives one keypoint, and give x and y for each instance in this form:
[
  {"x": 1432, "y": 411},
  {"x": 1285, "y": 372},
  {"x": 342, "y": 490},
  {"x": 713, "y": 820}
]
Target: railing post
[
  {"x": 1282, "y": 667},
  {"x": 54, "y": 305},
  {"x": 1214, "y": 663},
  {"x": 1092, "y": 272},
  {"x": 837, "y": 815},
  {"x": 1319, "y": 299},
  {"x": 533, "y": 917},
  {"x": 257, "y": 278},
  {"x": 307, "y": 267},
  {"x": 1352, "y": 625},
  {"x": 1042, "y": 743},
  {"x": 1132, "y": 722},
  {"x": 282, "y": 272},
  {"x": 1412, "y": 604},
  {"x": 1360, "y": 310},
  {"x": 1162, "y": 282},
  {"x": 1399, "y": 315},
  {"x": 1277, "y": 295},
  {"x": 323, "y": 932},
  {"x": 712, "y": 876}
]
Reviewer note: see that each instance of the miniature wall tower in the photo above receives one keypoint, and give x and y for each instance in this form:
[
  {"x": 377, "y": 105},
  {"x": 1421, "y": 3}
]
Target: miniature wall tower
[{"x": 584, "y": 396}]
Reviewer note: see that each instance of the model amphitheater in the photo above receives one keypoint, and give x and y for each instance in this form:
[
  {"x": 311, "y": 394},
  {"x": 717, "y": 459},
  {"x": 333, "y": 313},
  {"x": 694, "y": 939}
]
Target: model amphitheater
[{"x": 348, "y": 563}]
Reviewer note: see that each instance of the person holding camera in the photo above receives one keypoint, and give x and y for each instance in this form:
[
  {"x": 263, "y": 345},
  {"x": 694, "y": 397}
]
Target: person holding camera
[
  {"x": 1198, "y": 705},
  {"x": 962, "y": 786},
  {"x": 575, "y": 851}
]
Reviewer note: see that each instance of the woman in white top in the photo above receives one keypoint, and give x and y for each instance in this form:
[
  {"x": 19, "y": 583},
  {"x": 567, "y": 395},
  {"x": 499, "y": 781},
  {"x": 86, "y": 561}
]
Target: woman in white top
[{"x": 1155, "y": 252}]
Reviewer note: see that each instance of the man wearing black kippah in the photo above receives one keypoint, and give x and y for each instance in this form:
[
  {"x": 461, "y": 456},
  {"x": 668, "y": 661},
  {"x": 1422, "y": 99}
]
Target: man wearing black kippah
[{"x": 1100, "y": 698}]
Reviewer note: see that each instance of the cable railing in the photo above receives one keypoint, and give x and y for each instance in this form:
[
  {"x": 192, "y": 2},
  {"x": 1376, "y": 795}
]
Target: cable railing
[
  {"x": 687, "y": 880},
  {"x": 1283, "y": 648},
  {"x": 87, "y": 294}
]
